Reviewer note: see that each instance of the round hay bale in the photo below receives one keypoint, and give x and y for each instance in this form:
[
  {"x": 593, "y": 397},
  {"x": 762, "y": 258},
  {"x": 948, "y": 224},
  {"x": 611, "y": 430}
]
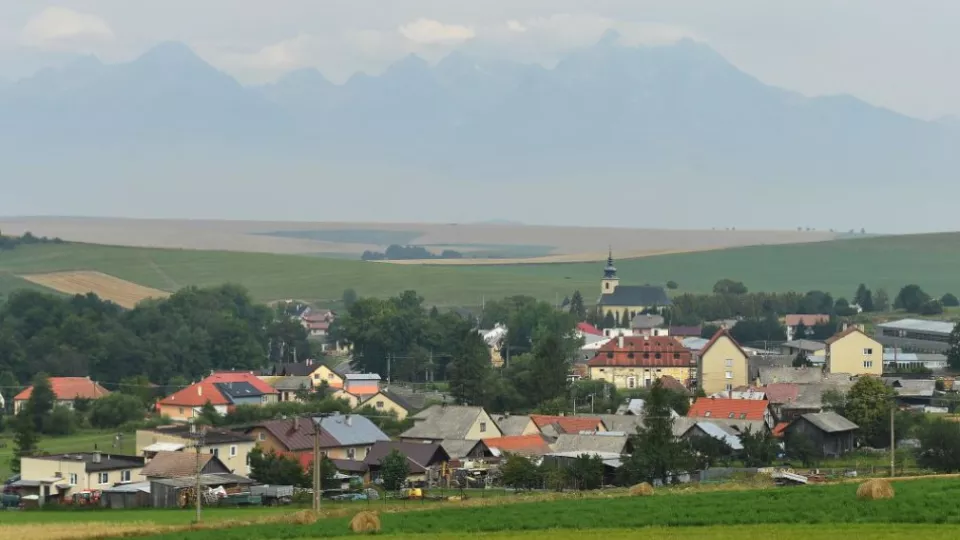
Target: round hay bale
[
  {"x": 304, "y": 517},
  {"x": 641, "y": 490},
  {"x": 365, "y": 522},
  {"x": 876, "y": 488}
]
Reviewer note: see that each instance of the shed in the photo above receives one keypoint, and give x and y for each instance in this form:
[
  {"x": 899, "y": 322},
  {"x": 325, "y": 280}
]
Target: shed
[
  {"x": 832, "y": 434},
  {"x": 135, "y": 495},
  {"x": 166, "y": 493}
]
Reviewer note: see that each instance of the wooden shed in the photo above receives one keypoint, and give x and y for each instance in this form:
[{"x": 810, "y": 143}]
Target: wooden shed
[{"x": 168, "y": 492}]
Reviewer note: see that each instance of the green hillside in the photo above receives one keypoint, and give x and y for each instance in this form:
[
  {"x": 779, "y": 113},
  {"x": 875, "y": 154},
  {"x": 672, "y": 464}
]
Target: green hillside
[
  {"x": 838, "y": 266},
  {"x": 274, "y": 277}
]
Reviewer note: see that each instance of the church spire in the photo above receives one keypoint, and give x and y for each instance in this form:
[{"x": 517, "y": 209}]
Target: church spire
[{"x": 610, "y": 271}]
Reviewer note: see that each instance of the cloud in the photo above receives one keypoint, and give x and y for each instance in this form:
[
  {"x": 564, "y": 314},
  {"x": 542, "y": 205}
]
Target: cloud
[
  {"x": 516, "y": 26},
  {"x": 429, "y": 31},
  {"x": 59, "y": 28}
]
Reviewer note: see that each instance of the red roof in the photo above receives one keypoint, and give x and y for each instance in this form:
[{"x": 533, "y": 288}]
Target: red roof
[
  {"x": 716, "y": 337},
  {"x": 67, "y": 388},
  {"x": 241, "y": 376},
  {"x": 643, "y": 351},
  {"x": 520, "y": 444},
  {"x": 779, "y": 429},
  {"x": 196, "y": 395},
  {"x": 781, "y": 392},
  {"x": 588, "y": 328},
  {"x": 807, "y": 320},
  {"x": 725, "y": 408},
  {"x": 568, "y": 424}
]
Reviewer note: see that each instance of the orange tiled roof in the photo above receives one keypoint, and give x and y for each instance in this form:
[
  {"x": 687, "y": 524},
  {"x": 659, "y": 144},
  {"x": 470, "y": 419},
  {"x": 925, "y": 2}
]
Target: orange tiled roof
[
  {"x": 724, "y": 408},
  {"x": 779, "y": 428},
  {"x": 520, "y": 444},
  {"x": 241, "y": 376},
  {"x": 195, "y": 395},
  {"x": 569, "y": 424},
  {"x": 67, "y": 388}
]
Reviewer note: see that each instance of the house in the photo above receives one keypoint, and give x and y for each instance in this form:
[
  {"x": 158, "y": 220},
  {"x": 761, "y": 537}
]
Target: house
[
  {"x": 632, "y": 406},
  {"x": 58, "y": 475},
  {"x": 725, "y": 433},
  {"x": 352, "y": 400},
  {"x": 722, "y": 364},
  {"x": 386, "y": 402},
  {"x": 617, "y": 300},
  {"x": 755, "y": 410},
  {"x": 780, "y": 394},
  {"x": 586, "y": 329},
  {"x": 460, "y": 450},
  {"x": 593, "y": 442},
  {"x": 441, "y": 422},
  {"x": 645, "y": 324},
  {"x": 231, "y": 447},
  {"x": 912, "y": 391},
  {"x": 636, "y": 361},
  {"x": 524, "y": 445},
  {"x": 808, "y": 321},
  {"x": 180, "y": 464},
  {"x": 426, "y": 461},
  {"x": 621, "y": 423},
  {"x": 317, "y": 322},
  {"x": 66, "y": 390},
  {"x": 553, "y": 426},
  {"x": 517, "y": 424},
  {"x": 917, "y": 335},
  {"x": 854, "y": 352},
  {"x": 682, "y": 332},
  {"x": 812, "y": 349},
  {"x": 494, "y": 339},
  {"x": 361, "y": 384},
  {"x": 831, "y": 434},
  {"x": 347, "y": 437},
  {"x": 316, "y": 371},
  {"x": 289, "y": 387},
  {"x": 223, "y": 390}
]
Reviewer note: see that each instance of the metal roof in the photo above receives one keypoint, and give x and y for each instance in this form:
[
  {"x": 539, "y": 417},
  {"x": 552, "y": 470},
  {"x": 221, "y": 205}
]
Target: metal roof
[
  {"x": 205, "y": 480},
  {"x": 362, "y": 377},
  {"x": 805, "y": 345},
  {"x": 352, "y": 430},
  {"x": 592, "y": 443},
  {"x": 512, "y": 425},
  {"x": 830, "y": 422},
  {"x": 718, "y": 432},
  {"x": 129, "y": 488},
  {"x": 164, "y": 447},
  {"x": 920, "y": 325},
  {"x": 636, "y": 295},
  {"x": 694, "y": 343}
]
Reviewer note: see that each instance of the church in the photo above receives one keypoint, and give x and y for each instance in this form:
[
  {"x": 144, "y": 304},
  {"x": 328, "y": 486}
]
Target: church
[{"x": 634, "y": 299}]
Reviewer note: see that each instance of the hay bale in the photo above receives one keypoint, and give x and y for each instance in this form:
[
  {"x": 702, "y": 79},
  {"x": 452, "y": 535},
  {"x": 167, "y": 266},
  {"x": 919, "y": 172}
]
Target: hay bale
[
  {"x": 365, "y": 522},
  {"x": 641, "y": 490},
  {"x": 303, "y": 517},
  {"x": 876, "y": 488}
]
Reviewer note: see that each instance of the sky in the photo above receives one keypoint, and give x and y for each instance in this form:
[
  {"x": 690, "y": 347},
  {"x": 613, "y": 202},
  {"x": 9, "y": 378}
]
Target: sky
[{"x": 891, "y": 53}]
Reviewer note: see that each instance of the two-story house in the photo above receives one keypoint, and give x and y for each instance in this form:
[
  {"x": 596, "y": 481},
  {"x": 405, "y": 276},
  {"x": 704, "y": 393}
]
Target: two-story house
[
  {"x": 637, "y": 361},
  {"x": 854, "y": 352},
  {"x": 231, "y": 447},
  {"x": 59, "y": 475},
  {"x": 722, "y": 364},
  {"x": 223, "y": 390},
  {"x": 341, "y": 437}
]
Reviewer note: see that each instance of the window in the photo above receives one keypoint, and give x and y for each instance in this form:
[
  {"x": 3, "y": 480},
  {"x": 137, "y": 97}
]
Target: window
[
  {"x": 351, "y": 453},
  {"x": 729, "y": 388},
  {"x": 867, "y": 352},
  {"x": 657, "y": 356},
  {"x": 215, "y": 452},
  {"x": 728, "y": 374},
  {"x": 181, "y": 410},
  {"x": 631, "y": 382},
  {"x": 707, "y": 414},
  {"x": 380, "y": 404},
  {"x": 601, "y": 370},
  {"x": 262, "y": 436},
  {"x": 729, "y": 362},
  {"x": 73, "y": 479},
  {"x": 606, "y": 285},
  {"x": 103, "y": 478},
  {"x": 124, "y": 476},
  {"x": 868, "y": 363},
  {"x": 676, "y": 355},
  {"x": 330, "y": 376},
  {"x": 483, "y": 427},
  {"x": 233, "y": 450},
  {"x": 731, "y": 415},
  {"x": 610, "y": 355},
  {"x": 316, "y": 376}
]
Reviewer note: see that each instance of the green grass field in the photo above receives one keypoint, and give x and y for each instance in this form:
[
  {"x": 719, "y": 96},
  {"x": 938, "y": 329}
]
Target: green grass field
[{"x": 85, "y": 441}]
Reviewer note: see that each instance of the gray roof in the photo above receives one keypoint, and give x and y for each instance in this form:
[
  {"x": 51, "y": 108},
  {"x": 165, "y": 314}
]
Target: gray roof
[
  {"x": 292, "y": 383},
  {"x": 830, "y": 422},
  {"x": 718, "y": 432},
  {"x": 912, "y": 387},
  {"x": 770, "y": 375},
  {"x": 625, "y": 423},
  {"x": 632, "y": 406},
  {"x": 590, "y": 443},
  {"x": 398, "y": 399},
  {"x": 755, "y": 362},
  {"x": 361, "y": 377},
  {"x": 646, "y": 321},
  {"x": 97, "y": 461},
  {"x": 344, "y": 368},
  {"x": 733, "y": 425},
  {"x": 920, "y": 325},
  {"x": 805, "y": 345},
  {"x": 129, "y": 488},
  {"x": 205, "y": 480},
  {"x": 439, "y": 422},
  {"x": 810, "y": 396},
  {"x": 512, "y": 425},
  {"x": 360, "y": 431},
  {"x": 636, "y": 295},
  {"x": 458, "y": 449}
]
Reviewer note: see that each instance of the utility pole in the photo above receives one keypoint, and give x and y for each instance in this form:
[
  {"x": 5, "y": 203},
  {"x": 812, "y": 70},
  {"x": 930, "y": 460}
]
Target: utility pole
[
  {"x": 198, "y": 442},
  {"x": 317, "y": 461},
  {"x": 893, "y": 463},
  {"x": 389, "y": 358}
]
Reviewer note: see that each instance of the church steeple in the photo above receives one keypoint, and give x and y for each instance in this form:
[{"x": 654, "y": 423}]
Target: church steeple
[{"x": 610, "y": 271}]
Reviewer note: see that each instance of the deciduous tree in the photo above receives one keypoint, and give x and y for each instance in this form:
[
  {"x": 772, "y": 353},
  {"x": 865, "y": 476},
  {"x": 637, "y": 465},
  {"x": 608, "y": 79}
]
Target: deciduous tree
[
  {"x": 657, "y": 453},
  {"x": 868, "y": 405},
  {"x": 911, "y": 299},
  {"x": 394, "y": 470}
]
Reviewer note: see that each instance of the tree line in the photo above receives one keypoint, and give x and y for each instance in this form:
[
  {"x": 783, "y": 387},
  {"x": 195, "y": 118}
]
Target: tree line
[
  {"x": 27, "y": 238},
  {"x": 396, "y": 252}
]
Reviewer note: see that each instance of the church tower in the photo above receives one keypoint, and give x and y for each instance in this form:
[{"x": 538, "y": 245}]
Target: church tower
[{"x": 610, "y": 279}]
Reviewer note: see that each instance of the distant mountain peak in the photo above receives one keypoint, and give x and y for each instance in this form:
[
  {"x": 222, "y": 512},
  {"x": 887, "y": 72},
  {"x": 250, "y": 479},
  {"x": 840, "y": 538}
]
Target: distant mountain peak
[
  {"x": 610, "y": 38},
  {"x": 170, "y": 53}
]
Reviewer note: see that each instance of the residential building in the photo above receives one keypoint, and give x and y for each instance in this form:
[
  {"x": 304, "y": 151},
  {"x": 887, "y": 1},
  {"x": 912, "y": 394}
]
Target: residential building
[
  {"x": 58, "y": 475},
  {"x": 519, "y": 424},
  {"x": 916, "y": 335},
  {"x": 180, "y": 464},
  {"x": 722, "y": 364},
  {"x": 554, "y": 426},
  {"x": 808, "y": 321},
  {"x": 813, "y": 349},
  {"x": 460, "y": 450},
  {"x": 616, "y": 299},
  {"x": 705, "y": 428},
  {"x": 831, "y": 434},
  {"x": 442, "y": 422},
  {"x": 755, "y": 410},
  {"x": 232, "y": 448},
  {"x": 352, "y": 400},
  {"x": 854, "y": 352},
  {"x": 524, "y": 445},
  {"x": 386, "y": 402},
  {"x": 361, "y": 384},
  {"x": 593, "y": 442},
  {"x": 223, "y": 390},
  {"x": 316, "y": 371},
  {"x": 636, "y": 361},
  {"x": 912, "y": 392},
  {"x": 645, "y": 324},
  {"x": 683, "y": 332},
  {"x": 348, "y": 437},
  {"x": 586, "y": 329},
  {"x": 289, "y": 387},
  {"x": 66, "y": 390},
  {"x": 317, "y": 322},
  {"x": 425, "y": 461}
]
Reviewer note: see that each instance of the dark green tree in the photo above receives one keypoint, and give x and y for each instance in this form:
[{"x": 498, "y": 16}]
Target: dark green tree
[
  {"x": 931, "y": 307},
  {"x": 519, "y": 472},
  {"x": 470, "y": 370},
  {"x": 801, "y": 360},
  {"x": 273, "y": 468},
  {"x": 881, "y": 301},
  {"x": 868, "y": 405},
  {"x": 729, "y": 286},
  {"x": 8, "y": 388},
  {"x": 24, "y": 439},
  {"x": 940, "y": 446},
  {"x": 911, "y": 299},
  {"x": 586, "y": 472},
  {"x": 577, "y": 307},
  {"x": 327, "y": 471},
  {"x": 62, "y": 420},
  {"x": 657, "y": 453},
  {"x": 800, "y": 331},
  {"x": 209, "y": 415},
  {"x": 609, "y": 321},
  {"x": 800, "y": 446},
  {"x": 394, "y": 470},
  {"x": 625, "y": 319},
  {"x": 709, "y": 451},
  {"x": 950, "y": 300},
  {"x": 549, "y": 367},
  {"x": 673, "y": 285},
  {"x": 864, "y": 298},
  {"x": 953, "y": 354},
  {"x": 115, "y": 410},
  {"x": 41, "y": 401},
  {"x": 349, "y": 298},
  {"x": 759, "y": 448}
]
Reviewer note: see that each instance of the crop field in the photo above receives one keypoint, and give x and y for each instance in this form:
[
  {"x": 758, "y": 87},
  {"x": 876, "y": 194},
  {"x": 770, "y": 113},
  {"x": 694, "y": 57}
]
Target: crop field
[{"x": 121, "y": 292}]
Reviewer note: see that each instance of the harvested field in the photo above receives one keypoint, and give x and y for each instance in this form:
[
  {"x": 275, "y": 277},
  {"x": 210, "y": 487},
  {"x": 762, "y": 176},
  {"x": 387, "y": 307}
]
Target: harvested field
[
  {"x": 121, "y": 292},
  {"x": 597, "y": 256}
]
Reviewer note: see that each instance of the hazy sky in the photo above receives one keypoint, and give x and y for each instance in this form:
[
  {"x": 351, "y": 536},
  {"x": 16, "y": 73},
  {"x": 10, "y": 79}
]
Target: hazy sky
[{"x": 892, "y": 53}]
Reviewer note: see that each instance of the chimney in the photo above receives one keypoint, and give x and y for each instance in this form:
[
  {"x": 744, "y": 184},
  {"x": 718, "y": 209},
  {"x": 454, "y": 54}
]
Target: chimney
[
  {"x": 199, "y": 390},
  {"x": 620, "y": 341},
  {"x": 296, "y": 424},
  {"x": 348, "y": 421},
  {"x": 96, "y": 457}
]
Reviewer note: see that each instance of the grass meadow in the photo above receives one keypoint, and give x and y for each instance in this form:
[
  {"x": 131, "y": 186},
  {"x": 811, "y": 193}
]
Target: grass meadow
[{"x": 84, "y": 441}]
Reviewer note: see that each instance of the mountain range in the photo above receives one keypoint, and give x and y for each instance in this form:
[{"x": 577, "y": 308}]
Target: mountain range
[{"x": 670, "y": 136}]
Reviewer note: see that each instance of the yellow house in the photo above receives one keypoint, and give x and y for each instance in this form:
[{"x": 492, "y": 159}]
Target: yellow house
[
  {"x": 325, "y": 373},
  {"x": 231, "y": 447},
  {"x": 722, "y": 364},
  {"x": 854, "y": 352},
  {"x": 67, "y": 474},
  {"x": 631, "y": 362},
  {"x": 347, "y": 437},
  {"x": 351, "y": 399},
  {"x": 616, "y": 299},
  {"x": 386, "y": 401}
]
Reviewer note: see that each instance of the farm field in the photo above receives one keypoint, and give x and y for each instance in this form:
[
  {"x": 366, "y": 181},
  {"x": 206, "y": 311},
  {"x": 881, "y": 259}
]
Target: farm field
[
  {"x": 118, "y": 291},
  {"x": 84, "y": 441}
]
